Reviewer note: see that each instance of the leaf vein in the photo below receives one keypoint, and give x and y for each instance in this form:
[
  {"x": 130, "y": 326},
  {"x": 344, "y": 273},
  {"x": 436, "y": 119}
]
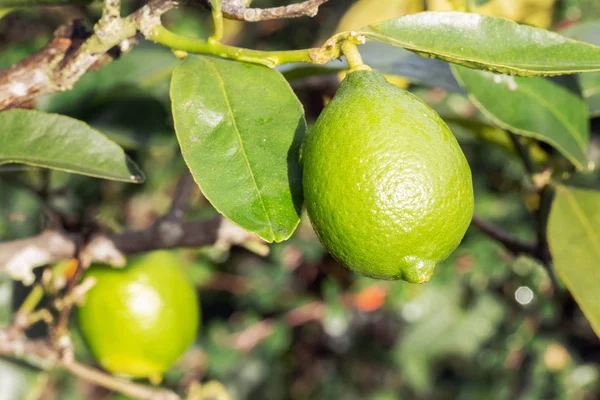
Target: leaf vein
[
  {"x": 241, "y": 142},
  {"x": 587, "y": 226}
]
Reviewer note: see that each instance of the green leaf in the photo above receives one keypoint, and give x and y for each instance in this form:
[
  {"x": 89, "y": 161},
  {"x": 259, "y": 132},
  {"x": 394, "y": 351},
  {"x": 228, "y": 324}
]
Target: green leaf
[
  {"x": 532, "y": 107},
  {"x": 387, "y": 60},
  {"x": 396, "y": 61},
  {"x": 58, "y": 142},
  {"x": 490, "y": 43},
  {"x": 590, "y": 83},
  {"x": 239, "y": 126},
  {"x": 574, "y": 236}
]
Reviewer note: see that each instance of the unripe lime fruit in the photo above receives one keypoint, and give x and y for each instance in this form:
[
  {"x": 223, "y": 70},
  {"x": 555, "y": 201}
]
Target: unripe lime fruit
[
  {"x": 387, "y": 187},
  {"x": 138, "y": 320}
]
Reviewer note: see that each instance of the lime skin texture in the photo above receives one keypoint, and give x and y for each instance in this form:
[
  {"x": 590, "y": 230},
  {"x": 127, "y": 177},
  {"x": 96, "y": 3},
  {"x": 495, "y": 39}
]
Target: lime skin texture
[
  {"x": 138, "y": 320},
  {"x": 387, "y": 188}
]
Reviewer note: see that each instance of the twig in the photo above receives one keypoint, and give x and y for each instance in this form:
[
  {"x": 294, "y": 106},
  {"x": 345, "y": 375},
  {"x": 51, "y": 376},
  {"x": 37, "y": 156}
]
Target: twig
[
  {"x": 123, "y": 386},
  {"x": 510, "y": 242},
  {"x": 237, "y": 9},
  {"x": 523, "y": 152},
  {"x": 545, "y": 192},
  {"x": 45, "y": 356},
  {"x": 61, "y": 326},
  {"x": 543, "y": 213},
  {"x": 19, "y": 257},
  {"x": 182, "y": 196},
  {"x": 59, "y": 65}
]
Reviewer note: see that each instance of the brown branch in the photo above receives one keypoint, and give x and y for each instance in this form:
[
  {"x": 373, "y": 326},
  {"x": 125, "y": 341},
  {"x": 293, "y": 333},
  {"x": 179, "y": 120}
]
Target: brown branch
[
  {"x": 19, "y": 257},
  {"x": 123, "y": 386},
  {"x": 237, "y": 9},
  {"x": 510, "y": 242},
  {"x": 72, "y": 53},
  {"x": 42, "y": 354},
  {"x": 182, "y": 196}
]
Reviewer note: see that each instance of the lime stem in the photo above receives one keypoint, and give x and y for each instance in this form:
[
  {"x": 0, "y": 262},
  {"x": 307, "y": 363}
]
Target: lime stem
[
  {"x": 353, "y": 57},
  {"x": 271, "y": 59},
  {"x": 217, "y": 16}
]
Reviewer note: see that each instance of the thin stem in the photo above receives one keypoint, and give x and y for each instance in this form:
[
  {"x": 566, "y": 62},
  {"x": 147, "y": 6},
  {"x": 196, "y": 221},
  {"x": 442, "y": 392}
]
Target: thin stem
[
  {"x": 543, "y": 214},
  {"x": 63, "y": 318},
  {"x": 353, "y": 57},
  {"x": 182, "y": 196},
  {"x": 26, "y": 315},
  {"x": 123, "y": 386},
  {"x": 510, "y": 242},
  {"x": 271, "y": 59},
  {"x": 217, "y": 16},
  {"x": 542, "y": 249},
  {"x": 40, "y": 315},
  {"x": 32, "y": 300},
  {"x": 523, "y": 152}
]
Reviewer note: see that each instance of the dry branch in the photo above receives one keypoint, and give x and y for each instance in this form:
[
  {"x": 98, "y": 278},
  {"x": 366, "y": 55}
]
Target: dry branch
[
  {"x": 510, "y": 242},
  {"x": 59, "y": 65},
  {"x": 237, "y": 9},
  {"x": 19, "y": 257},
  {"x": 44, "y": 355}
]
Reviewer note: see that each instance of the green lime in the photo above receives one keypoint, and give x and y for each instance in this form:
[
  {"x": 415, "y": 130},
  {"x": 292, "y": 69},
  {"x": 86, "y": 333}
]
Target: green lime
[
  {"x": 138, "y": 320},
  {"x": 387, "y": 187}
]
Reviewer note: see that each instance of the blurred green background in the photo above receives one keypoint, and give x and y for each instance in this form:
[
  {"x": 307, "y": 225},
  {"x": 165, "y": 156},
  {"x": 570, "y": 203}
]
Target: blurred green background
[{"x": 295, "y": 324}]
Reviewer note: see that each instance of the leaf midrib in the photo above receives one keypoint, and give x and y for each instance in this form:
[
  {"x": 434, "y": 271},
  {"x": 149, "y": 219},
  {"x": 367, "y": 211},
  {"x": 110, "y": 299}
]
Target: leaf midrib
[
  {"x": 578, "y": 211},
  {"x": 539, "y": 68},
  {"x": 241, "y": 142},
  {"x": 579, "y": 139}
]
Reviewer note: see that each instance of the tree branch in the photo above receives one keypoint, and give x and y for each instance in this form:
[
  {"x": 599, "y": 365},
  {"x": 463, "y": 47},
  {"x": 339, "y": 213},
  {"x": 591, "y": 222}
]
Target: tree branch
[
  {"x": 42, "y": 354},
  {"x": 18, "y": 258},
  {"x": 510, "y": 242},
  {"x": 182, "y": 196},
  {"x": 73, "y": 52},
  {"x": 123, "y": 386},
  {"x": 238, "y": 9}
]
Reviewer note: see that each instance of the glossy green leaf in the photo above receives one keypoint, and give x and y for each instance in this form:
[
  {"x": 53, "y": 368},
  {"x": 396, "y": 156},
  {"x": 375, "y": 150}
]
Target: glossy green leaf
[
  {"x": 58, "y": 142},
  {"x": 533, "y": 107},
  {"x": 484, "y": 42},
  {"x": 590, "y": 82},
  {"x": 387, "y": 60},
  {"x": 574, "y": 236},
  {"x": 239, "y": 126}
]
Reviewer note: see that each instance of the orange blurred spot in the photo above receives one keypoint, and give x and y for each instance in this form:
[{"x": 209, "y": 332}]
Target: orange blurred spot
[
  {"x": 70, "y": 268},
  {"x": 370, "y": 299}
]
